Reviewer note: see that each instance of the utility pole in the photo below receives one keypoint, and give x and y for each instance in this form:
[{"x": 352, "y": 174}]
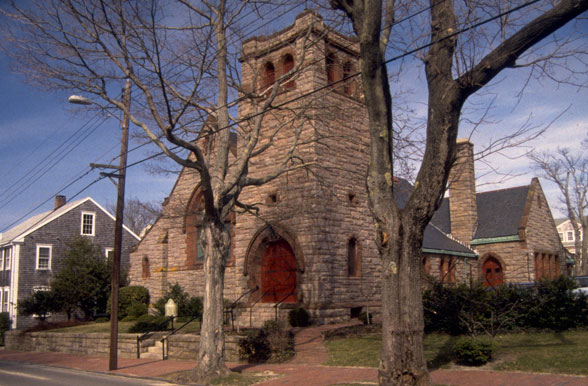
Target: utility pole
[
  {"x": 118, "y": 229},
  {"x": 118, "y": 226}
]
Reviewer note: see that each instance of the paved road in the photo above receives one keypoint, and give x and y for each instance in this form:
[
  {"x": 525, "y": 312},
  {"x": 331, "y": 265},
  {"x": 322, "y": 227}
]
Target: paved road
[{"x": 23, "y": 374}]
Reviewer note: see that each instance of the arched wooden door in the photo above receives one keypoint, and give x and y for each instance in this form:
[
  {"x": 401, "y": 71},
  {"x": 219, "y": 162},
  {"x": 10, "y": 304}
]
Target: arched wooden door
[
  {"x": 278, "y": 273},
  {"x": 492, "y": 272}
]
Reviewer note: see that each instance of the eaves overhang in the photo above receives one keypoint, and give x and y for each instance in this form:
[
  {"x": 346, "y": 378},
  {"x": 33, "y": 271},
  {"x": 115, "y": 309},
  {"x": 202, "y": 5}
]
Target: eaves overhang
[{"x": 493, "y": 240}]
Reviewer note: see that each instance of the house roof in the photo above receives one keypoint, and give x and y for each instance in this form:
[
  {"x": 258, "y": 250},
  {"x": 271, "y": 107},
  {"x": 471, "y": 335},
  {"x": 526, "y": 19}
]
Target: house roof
[
  {"x": 500, "y": 212},
  {"x": 20, "y": 231}
]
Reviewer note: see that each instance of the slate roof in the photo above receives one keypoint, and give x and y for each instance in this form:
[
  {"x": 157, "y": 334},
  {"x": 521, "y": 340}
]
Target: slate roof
[
  {"x": 499, "y": 215},
  {"x": 436, "y": 239},
  {"x": 500, "y": 212}
]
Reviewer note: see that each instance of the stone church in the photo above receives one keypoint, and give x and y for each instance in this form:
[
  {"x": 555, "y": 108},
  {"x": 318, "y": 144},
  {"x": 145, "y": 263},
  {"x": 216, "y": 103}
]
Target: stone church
[{"x": 311, "y": 242}]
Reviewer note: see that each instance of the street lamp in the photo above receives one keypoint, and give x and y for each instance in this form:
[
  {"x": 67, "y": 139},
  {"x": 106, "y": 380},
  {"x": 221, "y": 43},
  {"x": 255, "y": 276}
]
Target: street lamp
[{"x": 118, "y": 227}]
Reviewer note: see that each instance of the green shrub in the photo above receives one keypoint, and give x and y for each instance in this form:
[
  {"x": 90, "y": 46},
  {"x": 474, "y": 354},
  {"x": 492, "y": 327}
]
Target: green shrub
[
  {"x": 4, "y": 325},
  {"x": 555, "y": 307},
  {"x": 187, "y": 306},
  {"x": 298, "y": 317},
  {"x": 129, "y": 318},
  {"x": 255, "y": 347},
  {"x": 136, "y": 309},
  {"x": 365, "y": 318},
  {"x": 102, "y": 319},
  {"x": 128, "y": 300},
  {"x": 148, "y": 323},
  {"x": 41, "y": 303},
  {"x": 194, "y": 307},
  {"x": 473, "y": 352},
  {"x": 270, "y": 343}
]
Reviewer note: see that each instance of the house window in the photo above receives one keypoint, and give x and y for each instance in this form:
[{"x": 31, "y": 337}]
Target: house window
[
  {"x": 570, "y": 235},
  {"x": 561, "y": 237},
  {"x": 43, "y": 257},
  {"x": 5, "y": 299},
  {"x": 2, "y": 253},
  {"x": 109, "y": 253},
  {"x": 7, "y": 258},
  {"x": 88, "y": 223}
]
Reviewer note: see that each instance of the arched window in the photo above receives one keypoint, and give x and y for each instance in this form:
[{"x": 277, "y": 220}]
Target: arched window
[
  {"x": 353, "y": 258},
  {"x": 447, "y": 270},
  {"x": 349, "y": 88},
  {"x": 268, "y": 75},
  {"x": 146, "y": 272},
  {"x": 331, "y": 64},
  {"x": 193, "y": 230},
  {"x": 287, "y": 66}
]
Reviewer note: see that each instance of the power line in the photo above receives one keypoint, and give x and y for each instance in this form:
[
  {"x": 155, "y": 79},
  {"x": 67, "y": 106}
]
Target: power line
[{"x": 274, "y": 107}]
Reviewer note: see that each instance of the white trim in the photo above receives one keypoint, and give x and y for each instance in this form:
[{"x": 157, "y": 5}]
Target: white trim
[
  {"x": 39, "y": 246},
  {"x": 106, "y": 250},
  {"x": 1, "y": 260},
  {"x": 93, "y": 225}
]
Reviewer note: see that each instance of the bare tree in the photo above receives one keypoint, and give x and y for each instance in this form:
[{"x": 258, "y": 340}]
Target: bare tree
[
  {"x": 569, "y": 172},
  {"x": 138, "y": 214},
  {"x": 182, "y": 60},
  {"x": 459, "y": 60}
]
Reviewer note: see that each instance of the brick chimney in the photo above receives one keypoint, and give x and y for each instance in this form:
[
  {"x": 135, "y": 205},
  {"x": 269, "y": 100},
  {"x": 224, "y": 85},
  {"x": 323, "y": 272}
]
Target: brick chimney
[
  {"x": 462, "y": 193},
  {"x": 59, "y": 201}
]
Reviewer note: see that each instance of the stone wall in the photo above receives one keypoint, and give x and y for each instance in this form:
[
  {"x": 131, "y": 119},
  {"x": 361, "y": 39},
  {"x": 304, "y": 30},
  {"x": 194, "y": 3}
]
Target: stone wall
[
  {"x": 181, "y": 346},
  {"x": 70, "y": 343}
]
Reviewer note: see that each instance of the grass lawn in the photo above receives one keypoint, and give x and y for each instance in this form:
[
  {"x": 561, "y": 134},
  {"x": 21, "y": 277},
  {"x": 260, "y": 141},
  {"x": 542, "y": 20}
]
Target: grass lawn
[
  {"x": 123, "y": 327},
  {"x": 549, "y": 352}
]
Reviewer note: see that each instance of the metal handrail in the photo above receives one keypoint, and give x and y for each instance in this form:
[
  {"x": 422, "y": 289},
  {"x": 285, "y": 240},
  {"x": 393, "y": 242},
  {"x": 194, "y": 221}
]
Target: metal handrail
[
  {"x": 280, "y": 302},
  {"x": 142, "y": 337},
  {"x": 229, "y": 309},
  {"x": 164, "y": 340},
  {"x": 254, "y": 304}
]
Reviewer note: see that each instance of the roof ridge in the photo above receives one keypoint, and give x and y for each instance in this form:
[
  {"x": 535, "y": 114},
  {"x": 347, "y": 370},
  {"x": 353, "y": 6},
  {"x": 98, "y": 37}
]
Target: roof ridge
[
  {"x": 505, "y": 189},
  {"x": 451, "y": 237}
]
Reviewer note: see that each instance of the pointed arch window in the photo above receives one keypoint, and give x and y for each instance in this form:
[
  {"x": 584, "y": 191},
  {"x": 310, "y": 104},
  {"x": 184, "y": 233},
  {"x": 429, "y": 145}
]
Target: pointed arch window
[
  {"x": 193, "y": 231},
  {"x": 353, "y": 257},
  {"x": 287, "y": 66},
  {"x": 268, "y": 75},
  {"x": 331, "y": 64}
]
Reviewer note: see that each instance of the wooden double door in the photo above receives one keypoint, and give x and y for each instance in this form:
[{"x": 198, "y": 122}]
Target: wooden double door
[{"x": 278, "y": 273}]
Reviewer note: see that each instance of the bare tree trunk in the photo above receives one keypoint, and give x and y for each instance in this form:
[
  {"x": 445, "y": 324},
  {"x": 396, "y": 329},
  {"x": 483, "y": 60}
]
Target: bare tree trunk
[
  {"x": 211, "y": 355},
  {"x": 402, "y": 357}
]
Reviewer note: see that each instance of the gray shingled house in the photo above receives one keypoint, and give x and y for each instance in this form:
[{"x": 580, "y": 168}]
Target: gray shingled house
[{"x": 31, "y": 252}]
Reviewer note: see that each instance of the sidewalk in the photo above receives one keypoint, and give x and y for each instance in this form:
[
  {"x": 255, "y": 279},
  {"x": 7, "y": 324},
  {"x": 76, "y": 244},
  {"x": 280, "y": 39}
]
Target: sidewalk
[{"x": 306, "y": 369}]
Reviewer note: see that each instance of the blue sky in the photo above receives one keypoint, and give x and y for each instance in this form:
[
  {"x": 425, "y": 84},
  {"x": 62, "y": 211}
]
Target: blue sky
[{"x": 34, "y": 123}]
